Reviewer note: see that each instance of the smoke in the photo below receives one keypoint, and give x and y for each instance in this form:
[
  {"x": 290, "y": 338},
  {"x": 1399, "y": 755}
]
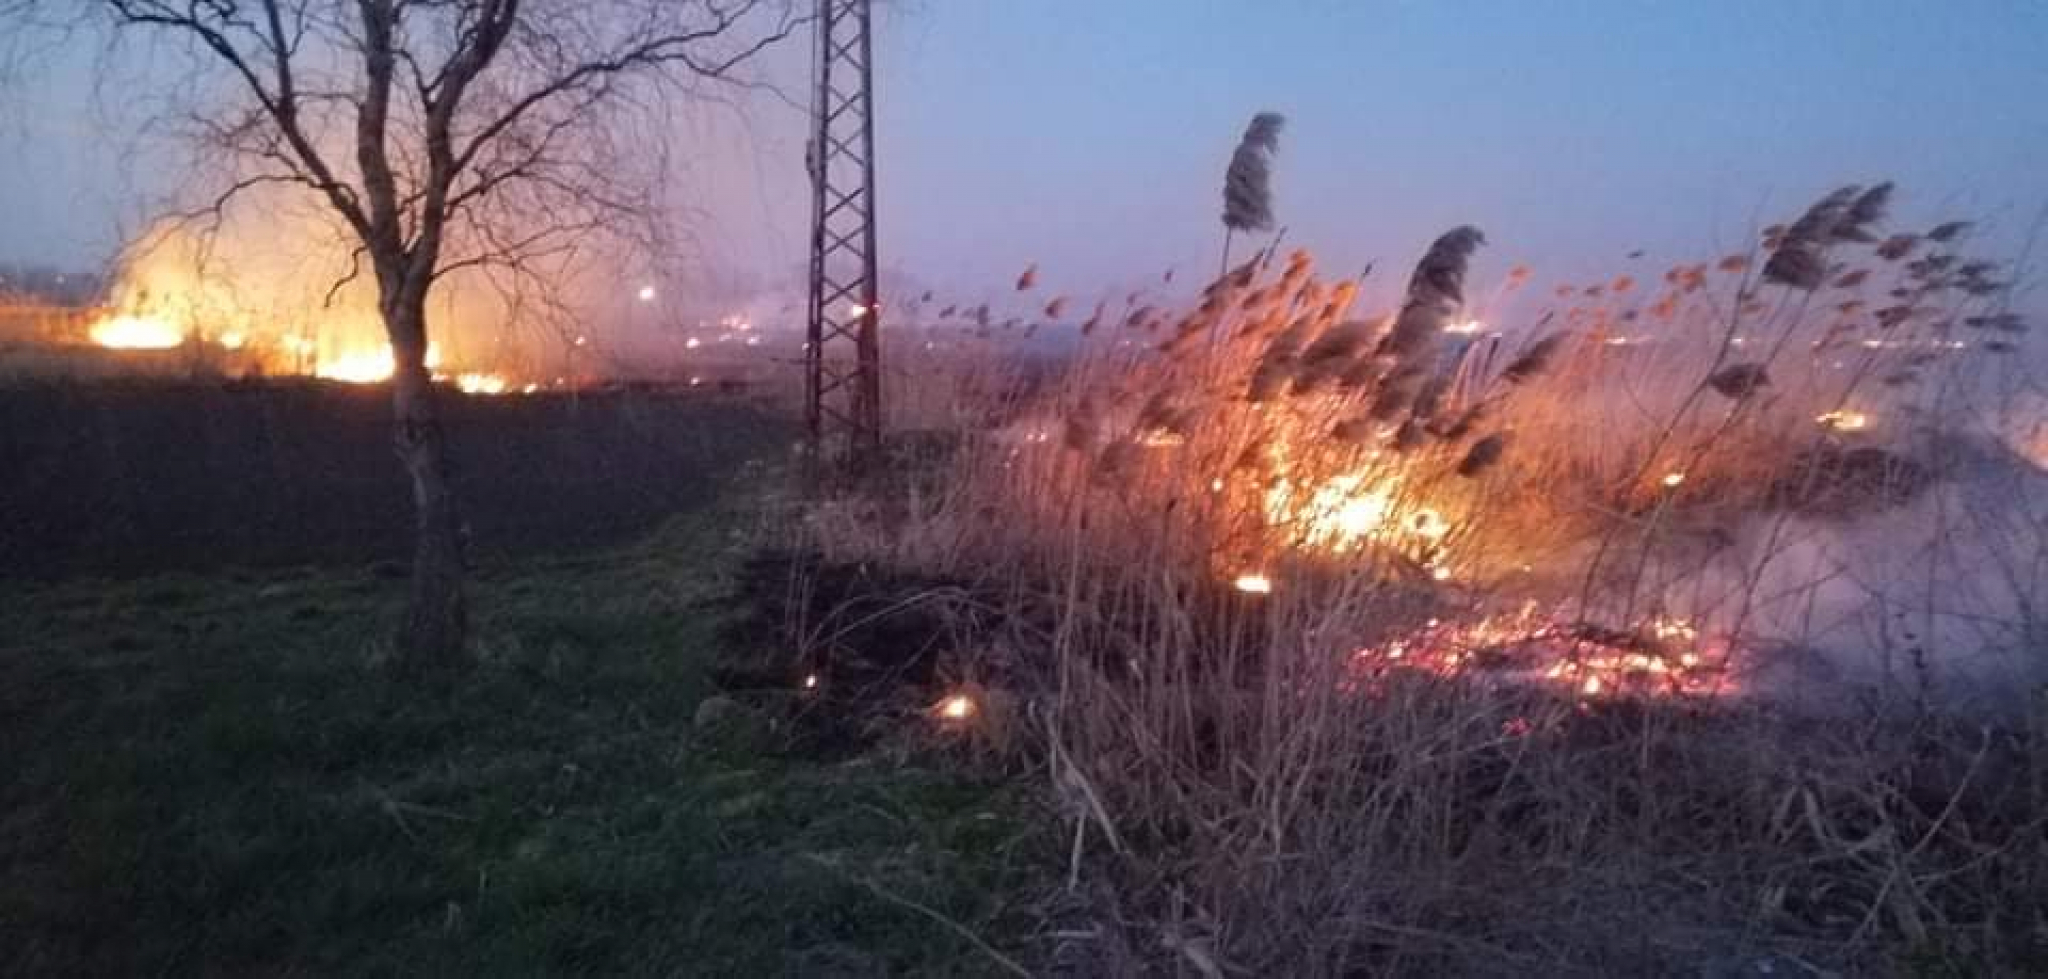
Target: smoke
[{"x": 1939, "y": 597}]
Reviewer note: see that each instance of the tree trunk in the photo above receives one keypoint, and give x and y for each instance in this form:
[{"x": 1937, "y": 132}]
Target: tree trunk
[{"x": 436, "y": 618}]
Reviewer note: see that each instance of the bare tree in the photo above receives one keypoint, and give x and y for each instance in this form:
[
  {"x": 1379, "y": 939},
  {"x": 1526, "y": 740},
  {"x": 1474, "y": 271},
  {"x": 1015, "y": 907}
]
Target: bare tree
[{"x": 445, "y": 134}]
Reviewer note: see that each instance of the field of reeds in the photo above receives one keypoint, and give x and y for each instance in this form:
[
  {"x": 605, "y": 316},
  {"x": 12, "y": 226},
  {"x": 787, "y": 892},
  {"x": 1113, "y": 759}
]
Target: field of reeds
[{"x": 1679, "y": 623}]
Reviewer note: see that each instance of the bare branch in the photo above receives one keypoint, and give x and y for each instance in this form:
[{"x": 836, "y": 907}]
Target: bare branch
[{"x": 448, "y": 135}]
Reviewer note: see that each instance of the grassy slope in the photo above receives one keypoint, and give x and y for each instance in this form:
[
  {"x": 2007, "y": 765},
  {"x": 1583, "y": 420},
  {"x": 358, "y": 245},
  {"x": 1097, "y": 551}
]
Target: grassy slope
[{"x": 204, "y": 774}]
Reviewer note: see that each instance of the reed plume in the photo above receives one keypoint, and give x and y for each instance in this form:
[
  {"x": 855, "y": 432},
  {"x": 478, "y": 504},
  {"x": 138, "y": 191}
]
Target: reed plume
[
  {"x": 1533, "y": 361},
  {"x": 1435, "y": 292},
  {"x": 1865, "y": 211},
  {"x": 1739, "y": 380},
  {"x": 1276, "y": 366},
  {"x": 1799, "y": 256},
  {"x": 1330, "y": 354},
  {"x": 1948, "y": 231},
  {"x": 1482, "y": 455},
  {"x": 1095, "y": 319},
  {"x": 1248, "y": 182}
]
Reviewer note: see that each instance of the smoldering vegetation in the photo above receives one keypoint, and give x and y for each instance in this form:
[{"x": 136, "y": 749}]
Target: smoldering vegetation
[{"x": 1667, "y": 623}]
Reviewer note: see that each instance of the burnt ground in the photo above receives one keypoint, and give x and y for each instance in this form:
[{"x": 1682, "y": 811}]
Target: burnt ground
[{"x": 140, "y": 478}]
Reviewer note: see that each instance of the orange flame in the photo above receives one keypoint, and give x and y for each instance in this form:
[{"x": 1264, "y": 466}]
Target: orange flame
[{"x": 128, "y": 332}]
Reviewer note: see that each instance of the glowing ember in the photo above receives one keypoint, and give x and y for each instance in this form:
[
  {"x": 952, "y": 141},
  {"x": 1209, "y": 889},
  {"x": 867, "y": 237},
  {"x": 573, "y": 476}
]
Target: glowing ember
[
  {"x": 1428, "y": 524},
  {"x": 1253, "y": 584},
  {"x": 811, "y": 681},
  {"x": 482, "y": 384},
  {"x": 1347, "y": 512},
  {"x": 1673, "y": 629},
  {"x": 646, "y": 294},
  {"x": 1672, "y": 479},
  {"x": 1337, "y": 514},
  {"x": 234, "y": 339},
  {"x": 1160, "y": 438},
  {"x": 1844, "y": 421},
  {"x": 1359, "y": 516},
  {"x": 1663, "y": 659},
  {"x": 125, "y": 332},
  {"x": 374, "y": 366},
  {"x": 957, "y": 707},
  {"x": 357, "y": 367}
]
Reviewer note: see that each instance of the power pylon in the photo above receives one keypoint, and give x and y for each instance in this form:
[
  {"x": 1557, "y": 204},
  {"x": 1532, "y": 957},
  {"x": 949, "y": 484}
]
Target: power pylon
[{"x": 842, "y": 358}]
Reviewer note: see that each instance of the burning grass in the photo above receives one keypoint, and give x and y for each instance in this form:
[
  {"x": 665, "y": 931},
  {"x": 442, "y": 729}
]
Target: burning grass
[
  {"x": 279, "y": 298},
  {"x": 1450, "y": 639}
]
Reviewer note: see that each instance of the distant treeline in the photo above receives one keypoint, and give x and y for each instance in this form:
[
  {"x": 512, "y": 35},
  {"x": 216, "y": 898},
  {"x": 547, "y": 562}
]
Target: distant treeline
[{"x": 46, "y": 286}]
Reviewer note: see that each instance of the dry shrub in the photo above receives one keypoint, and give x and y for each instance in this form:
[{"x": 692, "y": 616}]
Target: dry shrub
[{"x": 1239, "y": 540}]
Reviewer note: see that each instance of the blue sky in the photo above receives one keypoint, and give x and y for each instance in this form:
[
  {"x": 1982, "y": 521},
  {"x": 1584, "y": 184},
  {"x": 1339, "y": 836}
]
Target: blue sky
[{"x": 1090, "y": 137}]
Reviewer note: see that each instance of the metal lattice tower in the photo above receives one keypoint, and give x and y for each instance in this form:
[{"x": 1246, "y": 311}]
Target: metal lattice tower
[{"x": 842, "y": 359}]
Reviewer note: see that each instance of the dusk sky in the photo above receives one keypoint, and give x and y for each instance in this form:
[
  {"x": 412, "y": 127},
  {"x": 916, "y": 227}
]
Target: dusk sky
[{"x": 1090, "y": 137}]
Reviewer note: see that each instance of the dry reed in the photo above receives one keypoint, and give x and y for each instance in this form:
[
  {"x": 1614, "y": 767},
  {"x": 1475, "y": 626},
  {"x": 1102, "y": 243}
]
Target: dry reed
[{"x": 1236, "y": 551}]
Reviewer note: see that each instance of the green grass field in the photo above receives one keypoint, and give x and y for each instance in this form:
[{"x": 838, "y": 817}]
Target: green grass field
[{"x": 210, "y": 775}]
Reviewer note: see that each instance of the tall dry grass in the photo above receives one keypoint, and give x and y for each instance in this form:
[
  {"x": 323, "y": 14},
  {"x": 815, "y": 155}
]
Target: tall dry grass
[{"x": 1229, "y": 554}]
